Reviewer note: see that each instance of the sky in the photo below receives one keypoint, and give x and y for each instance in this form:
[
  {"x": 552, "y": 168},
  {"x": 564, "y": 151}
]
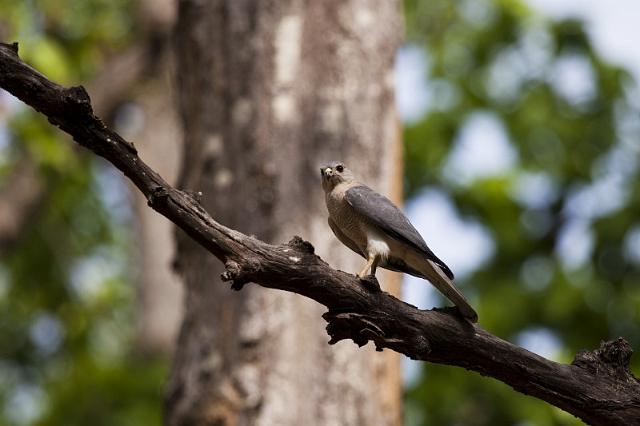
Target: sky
[
  {"x": 482, "y": 149},
  {"x": 612, "y": 25}
]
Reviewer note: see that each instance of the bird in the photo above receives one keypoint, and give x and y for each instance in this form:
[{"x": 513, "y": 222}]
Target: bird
[{"x": 370, "y": 224}]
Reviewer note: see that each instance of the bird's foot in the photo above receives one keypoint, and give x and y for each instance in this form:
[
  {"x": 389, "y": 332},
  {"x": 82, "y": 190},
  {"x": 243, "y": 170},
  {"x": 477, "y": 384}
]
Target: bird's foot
[{"x": 370, "y": 282}]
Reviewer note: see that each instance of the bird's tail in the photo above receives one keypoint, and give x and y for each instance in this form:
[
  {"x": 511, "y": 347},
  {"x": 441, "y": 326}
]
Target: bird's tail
[{"x": 438, "y": 278}]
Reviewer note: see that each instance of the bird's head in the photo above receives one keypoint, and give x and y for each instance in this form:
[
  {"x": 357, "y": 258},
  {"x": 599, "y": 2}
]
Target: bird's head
[{"x": 333, "y": 174}]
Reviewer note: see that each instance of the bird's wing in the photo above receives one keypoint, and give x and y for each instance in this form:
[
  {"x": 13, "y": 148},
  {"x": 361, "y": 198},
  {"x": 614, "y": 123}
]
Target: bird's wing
[
  {"x": 384, "y": 215},
  {"x": 344, "y": 239}
]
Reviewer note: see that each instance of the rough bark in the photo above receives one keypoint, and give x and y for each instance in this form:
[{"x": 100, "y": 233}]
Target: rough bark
[
  {"x": 597, "y": 386},
  {"x": 273, "y": 89}
]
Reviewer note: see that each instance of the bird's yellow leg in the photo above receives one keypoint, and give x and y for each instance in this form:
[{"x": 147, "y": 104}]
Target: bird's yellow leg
[
  {"x": 374, "y": 265},
  {"x": 371, "y": 263}
]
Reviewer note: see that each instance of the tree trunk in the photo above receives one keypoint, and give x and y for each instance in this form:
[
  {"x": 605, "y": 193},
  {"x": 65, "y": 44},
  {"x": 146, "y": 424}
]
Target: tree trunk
[
  {"x": 268, "y": 91},
  {"x": 137, "y": 85},
  {"x": 159, "y": 291}
]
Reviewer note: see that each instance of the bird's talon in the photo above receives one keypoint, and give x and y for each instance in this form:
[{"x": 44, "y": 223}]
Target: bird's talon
[{"x": 370, "y": 282}]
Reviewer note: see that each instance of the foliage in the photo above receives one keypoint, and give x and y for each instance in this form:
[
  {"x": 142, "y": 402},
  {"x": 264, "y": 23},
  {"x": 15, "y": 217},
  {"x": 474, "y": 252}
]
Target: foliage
[
  {"x": 562, "y": 215},
  {"x": 566, "y": 239},
  {"x": 66, "y": 292}
]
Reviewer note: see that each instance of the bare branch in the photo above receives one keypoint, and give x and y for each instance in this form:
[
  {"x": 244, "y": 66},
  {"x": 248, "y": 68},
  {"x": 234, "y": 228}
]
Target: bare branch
[{"x": 598, "y": 386}]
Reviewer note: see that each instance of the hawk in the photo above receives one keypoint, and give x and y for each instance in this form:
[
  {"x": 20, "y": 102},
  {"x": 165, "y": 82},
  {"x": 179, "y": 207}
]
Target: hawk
[{"x": 373, "y": 227}]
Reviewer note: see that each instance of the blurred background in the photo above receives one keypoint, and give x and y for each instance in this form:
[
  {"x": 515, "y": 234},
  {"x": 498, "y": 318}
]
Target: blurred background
[{"x": 521, "y": 125}]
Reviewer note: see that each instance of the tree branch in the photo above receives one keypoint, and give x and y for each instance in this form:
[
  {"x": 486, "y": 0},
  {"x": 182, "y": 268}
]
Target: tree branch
[{"x": 598, "y": 386}]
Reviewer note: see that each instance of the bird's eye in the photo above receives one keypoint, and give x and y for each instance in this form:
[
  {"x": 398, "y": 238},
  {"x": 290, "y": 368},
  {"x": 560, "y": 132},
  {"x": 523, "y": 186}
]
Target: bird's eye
[{"x": 340, "y": 168}]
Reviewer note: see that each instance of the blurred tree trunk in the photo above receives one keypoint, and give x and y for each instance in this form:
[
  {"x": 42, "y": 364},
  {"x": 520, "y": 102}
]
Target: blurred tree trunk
[
  {"x": 160, "y": 291},
  {"x": 135, "y": 91},
  {"x": 268, "y": 91},
  {"x": 21, "y": 195}
]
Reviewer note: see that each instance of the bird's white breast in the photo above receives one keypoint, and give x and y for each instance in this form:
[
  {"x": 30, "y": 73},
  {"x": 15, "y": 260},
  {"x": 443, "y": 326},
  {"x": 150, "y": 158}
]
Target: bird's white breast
[{"x": 377, "y": 245}]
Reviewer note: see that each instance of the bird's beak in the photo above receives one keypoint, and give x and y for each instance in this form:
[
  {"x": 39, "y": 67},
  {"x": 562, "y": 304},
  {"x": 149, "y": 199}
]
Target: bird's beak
[{"x": 326, "y": 171}]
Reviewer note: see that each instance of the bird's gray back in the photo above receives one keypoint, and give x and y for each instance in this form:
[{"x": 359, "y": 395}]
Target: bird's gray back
[{"x": 382, "y": 214}]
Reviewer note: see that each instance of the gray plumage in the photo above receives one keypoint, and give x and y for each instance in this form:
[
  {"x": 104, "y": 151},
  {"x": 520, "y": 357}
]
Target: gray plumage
[
  {"x": 372, "y": 226},
  {"x": 383, "y": 214}
]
